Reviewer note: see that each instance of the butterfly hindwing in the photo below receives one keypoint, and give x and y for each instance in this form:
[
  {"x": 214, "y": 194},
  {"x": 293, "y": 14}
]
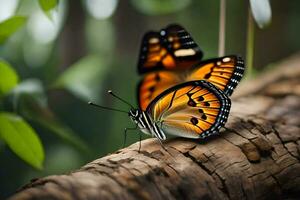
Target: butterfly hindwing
[
  {"x": 172, "y": 48},
  {"x": 224, "y": 72},
  {"x": 194, "y": 109}
]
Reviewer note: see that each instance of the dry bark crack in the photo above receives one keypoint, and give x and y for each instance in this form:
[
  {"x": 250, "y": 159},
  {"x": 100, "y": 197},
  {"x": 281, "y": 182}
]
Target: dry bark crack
[{"x": 257, "y": 156}]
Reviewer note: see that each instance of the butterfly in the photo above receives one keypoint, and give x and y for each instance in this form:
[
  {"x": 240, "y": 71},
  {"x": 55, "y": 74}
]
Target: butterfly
[{"x": 179, "y": 93}]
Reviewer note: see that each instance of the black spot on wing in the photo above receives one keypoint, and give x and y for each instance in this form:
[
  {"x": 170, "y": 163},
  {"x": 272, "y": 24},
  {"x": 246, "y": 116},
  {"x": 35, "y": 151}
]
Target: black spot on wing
[
  {"x": 194, "y": 120},
  {"x": 204, "y": 117},
  {"x": 200, "y": 98},
  {"x": 192, "y": 103},
  {"x": 206, "y": 104}
]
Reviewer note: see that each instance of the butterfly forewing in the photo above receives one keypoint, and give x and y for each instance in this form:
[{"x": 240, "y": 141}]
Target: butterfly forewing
[
  {"x": 171, "y": 48},
  {"x": 182, "y": 46},
  {"x": 225, "y": 72},
  {"x": 193, "y": 109}
]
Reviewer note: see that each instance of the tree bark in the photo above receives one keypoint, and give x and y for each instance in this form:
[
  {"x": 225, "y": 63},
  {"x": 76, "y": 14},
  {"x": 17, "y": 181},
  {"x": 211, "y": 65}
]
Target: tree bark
[{"x": 257, "y": 156}]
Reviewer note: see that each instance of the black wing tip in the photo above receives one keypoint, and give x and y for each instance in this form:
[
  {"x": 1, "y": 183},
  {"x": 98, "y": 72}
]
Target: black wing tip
[
  {"x": 149, "y": 34},
  {"x": 174, "y": 25},
  {"x": 237, "y": 74}
]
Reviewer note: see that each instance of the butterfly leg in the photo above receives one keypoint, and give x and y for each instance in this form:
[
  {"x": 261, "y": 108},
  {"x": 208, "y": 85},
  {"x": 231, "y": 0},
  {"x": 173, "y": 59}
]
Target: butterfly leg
[
  {"x": 140, "y": 144},
  {"x": 161, "y": 144},
  {"x": 125, "y": 134}
]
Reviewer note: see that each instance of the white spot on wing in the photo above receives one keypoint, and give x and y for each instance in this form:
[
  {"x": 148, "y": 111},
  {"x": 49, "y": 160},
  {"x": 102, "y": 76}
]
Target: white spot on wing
[
  {"x": 184, "y": 52},
  {"x": 163, "y": 32},
  {"x": 227, "y": 59},
  {"x": 153, "y": 40}
]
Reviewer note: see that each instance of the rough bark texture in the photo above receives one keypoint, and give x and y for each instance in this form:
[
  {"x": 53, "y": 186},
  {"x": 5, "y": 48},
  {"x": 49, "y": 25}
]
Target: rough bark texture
[{"x": 256, "y": 157}]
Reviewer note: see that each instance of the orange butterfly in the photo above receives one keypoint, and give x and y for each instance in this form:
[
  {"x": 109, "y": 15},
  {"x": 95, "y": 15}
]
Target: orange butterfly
[{"x": 180, "y": 94}]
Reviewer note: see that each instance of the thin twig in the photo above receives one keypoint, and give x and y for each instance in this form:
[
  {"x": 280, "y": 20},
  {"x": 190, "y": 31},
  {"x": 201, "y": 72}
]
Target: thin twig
[
  {"x": 222, "y": 28},
  {"x": 250, "y": 43}
]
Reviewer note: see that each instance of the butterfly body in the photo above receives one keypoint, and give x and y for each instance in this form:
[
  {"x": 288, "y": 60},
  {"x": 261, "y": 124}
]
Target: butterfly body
[{"x": 146, "y": 123}]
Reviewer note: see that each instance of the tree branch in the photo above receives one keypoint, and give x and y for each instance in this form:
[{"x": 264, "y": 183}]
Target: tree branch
[{"x": 256, "y": 157}]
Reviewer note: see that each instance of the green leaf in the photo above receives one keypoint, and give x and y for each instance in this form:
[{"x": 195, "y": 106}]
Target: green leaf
[
  {"x": 21, "y": 139},
  {"x": 261, "y": 11},
  {"x": 158, "y": 7},
  {"x": 8, "y": 78},
  {"x": 10, "y": 26},
  {"x": 48, "y": 5},
  {"x": 84, "y": 78}
]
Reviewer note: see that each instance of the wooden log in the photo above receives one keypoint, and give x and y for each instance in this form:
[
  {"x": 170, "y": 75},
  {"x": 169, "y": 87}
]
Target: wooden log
[{"x": 257, "y": 155}]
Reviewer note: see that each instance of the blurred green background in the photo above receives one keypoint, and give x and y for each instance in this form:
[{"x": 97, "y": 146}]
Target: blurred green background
[{"x": 76, "y": 51}]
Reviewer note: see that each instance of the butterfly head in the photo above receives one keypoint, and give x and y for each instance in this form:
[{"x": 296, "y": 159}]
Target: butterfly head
[{"x": 134, "y": 114}]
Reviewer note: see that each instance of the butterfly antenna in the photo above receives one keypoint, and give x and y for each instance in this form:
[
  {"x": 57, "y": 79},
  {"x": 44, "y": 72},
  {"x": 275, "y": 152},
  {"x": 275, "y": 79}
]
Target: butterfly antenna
[
  {"x": 107, "y": 108},
  {"x": 110, "y": 92}
]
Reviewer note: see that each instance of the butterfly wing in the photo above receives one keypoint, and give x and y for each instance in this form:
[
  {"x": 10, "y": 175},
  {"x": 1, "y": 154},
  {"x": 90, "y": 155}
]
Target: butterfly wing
[
  {"x": 224, "y": 72},
  {"x": 171, "y": 48},
  {"x": 154, "y": 84},
  {"x": 194, "y": 109}
]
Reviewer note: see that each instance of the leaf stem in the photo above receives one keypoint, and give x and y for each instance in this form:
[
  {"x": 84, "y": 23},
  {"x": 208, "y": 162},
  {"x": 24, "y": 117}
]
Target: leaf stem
[
  {"x": 250, "y": 43},
  {"x": 222, "y": 28}
]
